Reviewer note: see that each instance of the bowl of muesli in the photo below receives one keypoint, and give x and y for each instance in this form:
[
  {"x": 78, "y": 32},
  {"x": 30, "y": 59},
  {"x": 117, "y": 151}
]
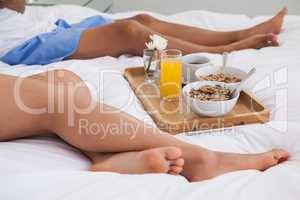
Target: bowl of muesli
[
  {"x": 229, "y": 75},
  {"x": 209, "y": 98}
]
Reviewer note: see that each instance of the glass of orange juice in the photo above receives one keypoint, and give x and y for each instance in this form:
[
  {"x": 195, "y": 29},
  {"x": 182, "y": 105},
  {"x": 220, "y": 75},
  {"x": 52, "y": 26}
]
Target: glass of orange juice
[{"x": 171, "y": 74}]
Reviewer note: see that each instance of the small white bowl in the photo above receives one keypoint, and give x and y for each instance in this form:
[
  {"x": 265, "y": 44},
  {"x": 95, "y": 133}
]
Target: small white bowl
[
  {"x": 208, "y": 108},
  {"x": 228, "y": 71}
]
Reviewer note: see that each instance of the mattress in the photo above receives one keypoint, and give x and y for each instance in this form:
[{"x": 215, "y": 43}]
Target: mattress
[{"x": 47, "y": 168}]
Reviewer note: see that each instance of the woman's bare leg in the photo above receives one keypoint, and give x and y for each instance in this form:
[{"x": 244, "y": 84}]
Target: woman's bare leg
[
  {"x": 208, "y": 37},
  {"x": 30, "y": 104},
  {"x": 129, "y": 36},
  {"x": 15, "y": 123},
  {"x": 68, "y": 118}
]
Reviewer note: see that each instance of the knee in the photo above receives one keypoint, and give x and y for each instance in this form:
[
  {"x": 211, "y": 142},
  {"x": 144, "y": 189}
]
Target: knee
[
  {"x": 71, "y": 88},
  {"x": 144, "y": 19},
  {"x": 131, "y": 28}
]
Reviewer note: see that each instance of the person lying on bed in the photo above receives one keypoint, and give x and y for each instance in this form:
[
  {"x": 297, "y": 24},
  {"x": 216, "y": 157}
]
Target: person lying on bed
[
  {"x": 25, "y": 42},
  {"x": 59, "y": 102}
]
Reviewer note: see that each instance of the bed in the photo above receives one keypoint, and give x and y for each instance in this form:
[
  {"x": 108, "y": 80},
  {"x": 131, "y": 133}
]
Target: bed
[{"x": 47, "y": 168}]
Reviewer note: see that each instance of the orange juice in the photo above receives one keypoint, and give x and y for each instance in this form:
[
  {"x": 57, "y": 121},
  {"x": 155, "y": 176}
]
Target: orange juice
[{"x": 170, "y": 78}]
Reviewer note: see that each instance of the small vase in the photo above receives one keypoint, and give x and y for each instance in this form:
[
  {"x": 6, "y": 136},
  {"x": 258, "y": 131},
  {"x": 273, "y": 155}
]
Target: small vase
[{"x": 150, "y": 58}]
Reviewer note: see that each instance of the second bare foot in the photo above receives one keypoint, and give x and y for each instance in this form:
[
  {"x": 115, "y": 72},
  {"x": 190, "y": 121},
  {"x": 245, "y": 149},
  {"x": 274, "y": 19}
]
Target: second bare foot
[
  {"x": 254, "y": 42},
  {"x": 210, "y": 164},
  {"x": 273, "y": 25}
]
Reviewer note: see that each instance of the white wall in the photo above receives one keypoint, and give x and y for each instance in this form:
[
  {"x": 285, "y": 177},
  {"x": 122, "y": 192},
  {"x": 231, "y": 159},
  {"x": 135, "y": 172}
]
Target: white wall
[
  {"x": 249, "y": 7},
  {"x": 97, "y": 4}
]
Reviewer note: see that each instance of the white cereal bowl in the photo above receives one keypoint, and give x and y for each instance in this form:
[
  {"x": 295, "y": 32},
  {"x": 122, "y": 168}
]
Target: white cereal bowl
[
  {"x": 208, "y": 108},
  {"x": 228, "y": 71}
]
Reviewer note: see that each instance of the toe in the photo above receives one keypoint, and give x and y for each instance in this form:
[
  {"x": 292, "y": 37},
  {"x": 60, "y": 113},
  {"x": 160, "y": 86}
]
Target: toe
[
  {"x": 172, "y": 153},
  {"x": 172, "y": 173},
  {"x": 274, "y": 38},
  {"x": 179, "y": 162},
  {"x": 272, "y": 158},
  {"x": 161, "y": 159},
  {"x": 272, "y": 44},
  {"x": 270, "y": 37},
  {"x": 280, "y": 155},
  {"x": 175, "y": 170},
  {"x": 284, "y": 11},
  {"x": 269, "y": 40}
]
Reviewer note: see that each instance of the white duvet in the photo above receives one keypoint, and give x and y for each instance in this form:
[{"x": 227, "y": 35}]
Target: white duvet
[{"x": 47, "y": 168}]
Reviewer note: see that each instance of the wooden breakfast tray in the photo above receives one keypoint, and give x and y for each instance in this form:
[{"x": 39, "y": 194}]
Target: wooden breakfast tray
[{"x": 176, "y": 117}]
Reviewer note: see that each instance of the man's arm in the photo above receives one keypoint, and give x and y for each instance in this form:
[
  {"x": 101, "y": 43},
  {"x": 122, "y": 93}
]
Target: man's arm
[{"x": 17, "y": 5}]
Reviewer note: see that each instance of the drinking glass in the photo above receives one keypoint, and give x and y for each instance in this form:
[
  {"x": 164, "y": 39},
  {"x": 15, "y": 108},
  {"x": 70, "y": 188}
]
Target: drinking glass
[
  {"x": 171, "y": 74},
  {"x": 151, "y": 61}
]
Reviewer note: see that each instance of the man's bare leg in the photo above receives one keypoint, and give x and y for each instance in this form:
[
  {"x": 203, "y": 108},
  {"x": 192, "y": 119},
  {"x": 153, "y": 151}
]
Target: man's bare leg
[
  {"x": 208, "y": 37},
  {"x": 130, "y": 36},
  {"x": 125, "y": 37},
  {"x": 199, "y": 164}
]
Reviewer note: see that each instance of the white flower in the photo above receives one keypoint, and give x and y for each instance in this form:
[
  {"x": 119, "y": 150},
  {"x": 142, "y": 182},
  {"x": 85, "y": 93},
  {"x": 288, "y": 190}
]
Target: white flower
[
  {"x": 157, "y": 43},
  {"x": 150, "y": 45}
]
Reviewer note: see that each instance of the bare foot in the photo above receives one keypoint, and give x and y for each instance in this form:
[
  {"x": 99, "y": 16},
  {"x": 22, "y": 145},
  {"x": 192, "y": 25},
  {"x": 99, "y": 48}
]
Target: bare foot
[
  {"x": 254, "y": 42},
  {"x": 273, "y": 25},
  {"x": 158, "y": 160},
  {"x": 212, "y": 164}
]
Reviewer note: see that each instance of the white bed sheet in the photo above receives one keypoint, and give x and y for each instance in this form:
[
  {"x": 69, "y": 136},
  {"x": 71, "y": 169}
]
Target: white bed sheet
[{"x": 47, "y": 168}]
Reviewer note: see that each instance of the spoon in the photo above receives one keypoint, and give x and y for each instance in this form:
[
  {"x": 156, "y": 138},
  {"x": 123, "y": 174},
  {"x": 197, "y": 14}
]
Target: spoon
[
  {"x": 238, "y": 89},
  {"x": 225, "y": 59}
]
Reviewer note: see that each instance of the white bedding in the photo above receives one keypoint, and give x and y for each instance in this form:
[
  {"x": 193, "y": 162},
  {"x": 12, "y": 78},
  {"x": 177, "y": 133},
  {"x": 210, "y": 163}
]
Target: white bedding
[{"x": 47, "y": 168}]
